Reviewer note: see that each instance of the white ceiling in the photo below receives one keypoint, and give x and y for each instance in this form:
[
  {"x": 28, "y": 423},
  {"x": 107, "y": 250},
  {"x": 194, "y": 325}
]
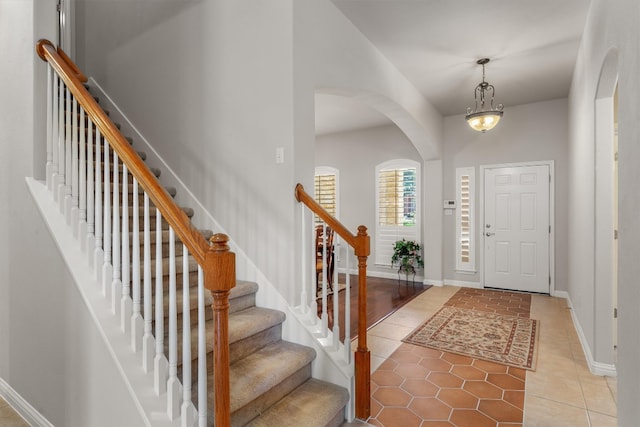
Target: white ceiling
[{"x": 532, "y": 45}]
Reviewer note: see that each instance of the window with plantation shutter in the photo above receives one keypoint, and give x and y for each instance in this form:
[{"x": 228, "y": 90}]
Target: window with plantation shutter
[
  {"x": 465, "y": 194},
  {"x": 326, "y": 189},
  {"x": 397, "y": 206}
]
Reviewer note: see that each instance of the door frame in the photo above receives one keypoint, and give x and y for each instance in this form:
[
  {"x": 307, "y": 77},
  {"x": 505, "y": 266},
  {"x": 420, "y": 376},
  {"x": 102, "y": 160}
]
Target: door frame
[
  {"x": 66, "y": 31},
  {"x": 480, "y": 232}
]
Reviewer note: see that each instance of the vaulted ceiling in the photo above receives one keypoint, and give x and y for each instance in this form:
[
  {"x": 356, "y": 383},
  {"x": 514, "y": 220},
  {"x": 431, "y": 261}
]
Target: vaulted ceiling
[{"x": 532, "y": 45}]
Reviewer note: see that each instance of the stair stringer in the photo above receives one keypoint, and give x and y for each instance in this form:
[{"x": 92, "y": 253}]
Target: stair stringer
[
  {"x": 329, "y": 364},
  {"x": 152, "y": 408}
]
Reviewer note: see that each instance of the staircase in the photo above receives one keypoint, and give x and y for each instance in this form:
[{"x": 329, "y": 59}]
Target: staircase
[
  {"x": 271, "y": 383},
  {"x": 270, "y": 379}
]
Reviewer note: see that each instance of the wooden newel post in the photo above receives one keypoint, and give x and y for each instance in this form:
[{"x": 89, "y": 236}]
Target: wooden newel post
[
  {"x": 362, "y": 356},
  {"x": 220, "y": 278}
]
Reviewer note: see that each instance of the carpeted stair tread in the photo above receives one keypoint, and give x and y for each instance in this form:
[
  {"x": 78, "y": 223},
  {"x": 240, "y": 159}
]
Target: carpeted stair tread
[
  {"x": 314, "y": 404},
  {"x": 263, "y": 370},
  {"x": 246, "y": 324}
]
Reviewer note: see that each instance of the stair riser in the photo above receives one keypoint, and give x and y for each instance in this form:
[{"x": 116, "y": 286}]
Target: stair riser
[{"x": 242, "y": 416}]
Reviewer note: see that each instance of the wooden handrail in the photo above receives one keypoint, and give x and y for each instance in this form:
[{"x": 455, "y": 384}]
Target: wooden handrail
[
  {"x": 362, "y": 248},
  {"x": 360, "y": 244},
  {"x": 215, "y": 258},
  {"x": 191, "y": 237}
]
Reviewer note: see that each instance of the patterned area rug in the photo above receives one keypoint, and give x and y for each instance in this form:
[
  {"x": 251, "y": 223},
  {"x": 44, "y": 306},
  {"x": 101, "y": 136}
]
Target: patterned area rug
[{"x": 495, "y": 337}]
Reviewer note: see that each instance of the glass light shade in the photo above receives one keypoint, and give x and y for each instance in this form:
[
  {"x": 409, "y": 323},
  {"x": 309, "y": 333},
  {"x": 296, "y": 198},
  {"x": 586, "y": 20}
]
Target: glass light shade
[{"x": 484, "y": 120}]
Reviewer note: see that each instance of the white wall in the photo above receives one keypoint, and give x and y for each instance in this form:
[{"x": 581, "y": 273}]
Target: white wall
[
  {"x": 609, "y": 25},
  {"x": 355, "y": 154},
  {"x": 50, "y": 352},
  {"x": 216, "y": 86},
  {"x": 532, "y": 132}
]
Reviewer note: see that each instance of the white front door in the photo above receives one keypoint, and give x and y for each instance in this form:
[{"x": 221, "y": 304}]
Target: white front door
[{"x": 516, "y": 228}]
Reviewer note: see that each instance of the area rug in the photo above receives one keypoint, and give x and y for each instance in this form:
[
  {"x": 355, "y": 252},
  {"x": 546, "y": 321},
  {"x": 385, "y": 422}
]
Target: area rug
[
  {"x": 499, "y": 338},
  {"x": 341, "y": 287}
]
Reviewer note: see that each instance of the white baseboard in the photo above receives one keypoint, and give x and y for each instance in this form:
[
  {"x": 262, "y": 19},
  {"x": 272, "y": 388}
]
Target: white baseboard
[
  {"x": 596, "y": 368},
  {"x": 464, "y": 284},
  {"x": 560, "y": 294},
  {"x": 383, "y": 274},
  {"x": 433, "y": 282},
  {"x": 22, "y": 407}
]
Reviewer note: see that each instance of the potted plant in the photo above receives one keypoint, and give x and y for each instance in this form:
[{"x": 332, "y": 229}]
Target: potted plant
[{"x": 407, "y": 255}]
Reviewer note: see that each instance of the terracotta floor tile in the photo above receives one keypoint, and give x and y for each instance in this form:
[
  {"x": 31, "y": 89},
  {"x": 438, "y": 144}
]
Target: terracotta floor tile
[
  {"x": 428, "y": 408},
  {"x": 420, "y": 388},
  {"x": 483, "y": 389},
  {"x": 436, "y": 365},
  {"x": 398, "y": 417},
  {"x": 436, "y": 424},
  {"x": 458, "y": 398},
  {"x": 469, "y": 372},
  {"x": 457, "y": 359},
  {"x": 426, "y": 352},
  {"x": 470, "y": 418},
  {"x": 392, "y": 396},
  {"x": 445, "y": 380},
  {"x": 517, "y": 372},
  {"x": 506, "y": 382},
  {"x": 490, "y": 367},
  {"x": 388, "y": 365},
  {"x": 500, "y": 410},
  {"x": 405, "y": 357},
  {"x": 516, "y": 398},
  {"x": 411, "y": 371},
  {"x": 386, "y": 378},
  {"x": 464, "y": 392}
]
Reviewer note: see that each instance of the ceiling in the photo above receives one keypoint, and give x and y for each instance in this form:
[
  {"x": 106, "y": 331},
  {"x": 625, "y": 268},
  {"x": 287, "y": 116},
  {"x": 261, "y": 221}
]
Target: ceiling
[{"x": 532, "y": 45}]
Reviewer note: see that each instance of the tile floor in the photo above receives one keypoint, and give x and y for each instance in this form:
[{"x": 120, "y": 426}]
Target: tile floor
[
  {"x": 561, "y": 392},
  {"x": 9, "y": 417}
]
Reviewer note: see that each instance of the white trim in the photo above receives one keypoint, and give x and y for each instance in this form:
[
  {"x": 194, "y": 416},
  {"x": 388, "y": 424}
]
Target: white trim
[
  {"x": 432, "y": 282},
  {"x": 464, "y": 284},
  {"x": 552, "y": 181},
  {"x": 22, "y": 407},
  {"x": 596, "y": 368},
  {"x": 330, "y": 170},
  {"x": 469, "y": 266},
  {"x": 415, "y": 231}
]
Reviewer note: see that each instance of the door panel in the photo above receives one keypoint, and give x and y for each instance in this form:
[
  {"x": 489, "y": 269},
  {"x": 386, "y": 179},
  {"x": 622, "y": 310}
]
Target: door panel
[{"x": 516, "y": 229}]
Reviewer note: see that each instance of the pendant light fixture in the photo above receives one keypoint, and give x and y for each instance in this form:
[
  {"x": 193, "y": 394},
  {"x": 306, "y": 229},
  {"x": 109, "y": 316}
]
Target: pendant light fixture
[{"x": 482, "y": 119}]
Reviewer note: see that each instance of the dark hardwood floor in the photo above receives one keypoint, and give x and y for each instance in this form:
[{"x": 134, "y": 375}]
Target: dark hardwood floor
[{"x": 384, "y": 296}]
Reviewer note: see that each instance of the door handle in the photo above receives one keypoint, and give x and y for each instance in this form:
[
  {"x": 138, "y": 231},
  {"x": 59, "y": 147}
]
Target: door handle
[{"x": 489, "y": 234}]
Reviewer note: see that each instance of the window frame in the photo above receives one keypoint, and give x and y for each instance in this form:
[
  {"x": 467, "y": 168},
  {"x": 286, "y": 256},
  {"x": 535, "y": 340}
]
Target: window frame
[
  {"x": 328, "y": 170},
  {"x": 413, "y": 232},
  {"x": 468, "y": 265}
]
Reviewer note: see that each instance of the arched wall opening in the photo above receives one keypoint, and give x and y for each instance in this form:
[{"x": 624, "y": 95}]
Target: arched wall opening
[{"x": 605, "y": 259}]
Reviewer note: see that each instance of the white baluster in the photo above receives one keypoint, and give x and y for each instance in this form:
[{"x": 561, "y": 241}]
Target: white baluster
[
  {"x": 313, "y": 275},
  {"x": 50, "y": 129},
  {"x": 148, "y": 345},
  {"x": 98, "y": 251},
  {"x": 305, "y": 264},
  {"x": 336, "y": 296},
  {"x": 347, "y": 310},
  {"x": 82, "y": 184},
  {"x": 59, "y": 197},
  {"x": 66, "y": 205},
  {"x": 73, "y": 213},
  {"x": 173, "y": 385},
  {"x": 202, "y": 353},
  {"x": 116, "y": 283},
  {"x": 160, "y": 363},
  {"x": 137, "y": 323},
  {"x": 91, "y": 237},
  {"x": 325, "y": 316},
  {"x": 107, "y": 268},
  {"x": 53, "y": 180},
  {"x": 188, "y": 410},
  {"x": 125, "y": 303}
]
